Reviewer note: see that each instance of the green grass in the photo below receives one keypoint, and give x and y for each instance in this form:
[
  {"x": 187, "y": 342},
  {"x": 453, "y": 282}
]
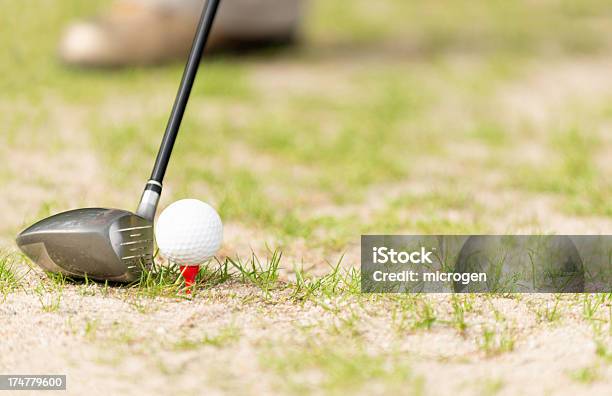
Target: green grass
[
  {"x": 491, "y": 387},
  {"x": 586, "y": 375},
  {"x": 334, "y": 369},
  {"x": 10, "y": 279},
  {"x": 435, "y": 27},
  {"x": 496, "y": 341},
  {"x": 91, "y": 329},
  {"x": 390, "y": 118},
  {"x": 460, "y": 306},
  {"x": 223, "y": 338},
  {"x": 572, "y": 174},
  {"x": 549, "y": 312},
  {"x": 264, "y": 276},
  {"x": 262, "y": 154}
]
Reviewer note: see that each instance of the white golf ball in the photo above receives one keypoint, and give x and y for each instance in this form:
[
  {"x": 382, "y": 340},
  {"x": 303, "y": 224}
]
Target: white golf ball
[{"x": 189, "y": 232}]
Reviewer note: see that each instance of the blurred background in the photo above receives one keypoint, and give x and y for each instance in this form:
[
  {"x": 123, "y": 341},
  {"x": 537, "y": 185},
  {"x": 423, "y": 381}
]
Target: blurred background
[{"x": 393, "y": 116}]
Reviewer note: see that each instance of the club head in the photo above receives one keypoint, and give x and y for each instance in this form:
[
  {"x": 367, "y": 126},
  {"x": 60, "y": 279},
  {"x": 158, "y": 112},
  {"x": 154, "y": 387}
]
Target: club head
[{"x": 101, "y": 244}]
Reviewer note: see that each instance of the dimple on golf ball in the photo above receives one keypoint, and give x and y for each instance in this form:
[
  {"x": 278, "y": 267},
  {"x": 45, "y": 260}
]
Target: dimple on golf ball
[{"x": 189, "y": 232}]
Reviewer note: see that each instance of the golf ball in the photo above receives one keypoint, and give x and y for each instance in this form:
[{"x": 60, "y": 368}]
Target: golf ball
[{"x": 189, "y": 232}]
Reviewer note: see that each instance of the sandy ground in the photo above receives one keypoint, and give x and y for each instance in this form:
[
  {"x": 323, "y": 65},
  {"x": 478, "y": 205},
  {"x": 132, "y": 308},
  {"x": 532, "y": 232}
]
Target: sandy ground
[{"x": 130, "y": 350}]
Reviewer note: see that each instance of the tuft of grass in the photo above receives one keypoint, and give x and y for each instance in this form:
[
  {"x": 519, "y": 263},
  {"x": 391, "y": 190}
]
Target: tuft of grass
[
  {"x": 591, "y": 303},
  {"x": 603, "y": 350},
  {"x": 491, "y": 387},
  {"x": 213, "y": 273},
  {"x": 158, "y": 282},
  {"x": 495, "y": 341},
  {"x": 549, "y": 313},
  {"x": 412, "y": 313},
  {"x": 91, "y": 329},
  {"x": 425, "y": 315},
  {"x": 224, "y": 337},
  {"x": 459, "y": 309},
  {"x": 143, "y": 305},
  {"x": 50, "y": 291},
  {"x": 264, "y": 276},
  {"x": 403, "y": 308},
  {"x": 337, "y": 281},
  {"x": 9, "y": 279},
  {"x": 586, "y": 375},
  {"x": 336, "y": 369},
  {"x": 166, "y": 281},
  {"x": 50, "y": 300},
  {"x": 88, "y": 288}
]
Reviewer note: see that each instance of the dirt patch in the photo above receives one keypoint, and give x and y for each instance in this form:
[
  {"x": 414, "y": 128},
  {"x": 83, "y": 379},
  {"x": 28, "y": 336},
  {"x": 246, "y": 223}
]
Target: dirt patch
[
  {"x": 122, "y": 344},
  {"x": 555, "y": 92}
]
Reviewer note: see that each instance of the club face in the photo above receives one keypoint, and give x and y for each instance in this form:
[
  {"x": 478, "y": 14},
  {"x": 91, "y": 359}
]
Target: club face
[{"x": 101, "y": 244}]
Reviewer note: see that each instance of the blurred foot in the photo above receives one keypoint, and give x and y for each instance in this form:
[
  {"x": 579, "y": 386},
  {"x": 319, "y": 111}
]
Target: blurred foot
[{"x": 144, "y": 32}]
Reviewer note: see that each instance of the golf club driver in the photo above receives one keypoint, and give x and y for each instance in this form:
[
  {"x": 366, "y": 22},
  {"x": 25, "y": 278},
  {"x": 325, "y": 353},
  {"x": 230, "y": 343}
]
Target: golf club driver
[{"x": 115, "y": 244}]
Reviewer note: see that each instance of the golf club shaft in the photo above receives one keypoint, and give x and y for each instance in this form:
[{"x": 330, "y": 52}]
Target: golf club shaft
[{"x": 150, "y": 197}]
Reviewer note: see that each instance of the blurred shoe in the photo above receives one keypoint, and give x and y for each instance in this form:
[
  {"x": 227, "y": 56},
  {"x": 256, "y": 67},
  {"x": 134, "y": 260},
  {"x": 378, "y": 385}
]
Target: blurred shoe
[{"x": 143, "y": 32}]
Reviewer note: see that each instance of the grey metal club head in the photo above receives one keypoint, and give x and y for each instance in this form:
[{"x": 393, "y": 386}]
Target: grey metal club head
[
  {"x": 101, "y": 244},
  {"x": 114, "y": 244}
]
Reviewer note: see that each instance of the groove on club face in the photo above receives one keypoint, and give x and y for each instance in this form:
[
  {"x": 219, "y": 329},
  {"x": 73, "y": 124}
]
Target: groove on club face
[
  {"x": 136, "y": 246},
  {"x": 103, "y": 244}
]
